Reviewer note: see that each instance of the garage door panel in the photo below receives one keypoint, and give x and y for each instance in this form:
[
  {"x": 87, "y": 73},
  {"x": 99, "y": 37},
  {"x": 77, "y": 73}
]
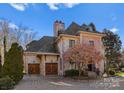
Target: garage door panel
[
  {"x": 48, "y": 68},
  {"x": 33, "y": 68},
  {"x": 54, "y": 68},
  {"x": 51, "y": 68}
]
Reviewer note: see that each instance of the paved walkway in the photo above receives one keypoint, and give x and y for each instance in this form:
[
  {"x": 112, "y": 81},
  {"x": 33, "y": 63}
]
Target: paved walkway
[{"x": 35, "y": 82}]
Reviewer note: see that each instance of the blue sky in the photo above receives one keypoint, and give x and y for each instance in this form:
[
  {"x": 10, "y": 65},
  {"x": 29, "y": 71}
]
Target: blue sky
[{"x": 40, "y": 17}]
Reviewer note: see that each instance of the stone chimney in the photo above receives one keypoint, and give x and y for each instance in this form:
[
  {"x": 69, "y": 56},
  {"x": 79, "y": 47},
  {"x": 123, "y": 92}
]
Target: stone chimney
[{"x": 58, "y": 26}]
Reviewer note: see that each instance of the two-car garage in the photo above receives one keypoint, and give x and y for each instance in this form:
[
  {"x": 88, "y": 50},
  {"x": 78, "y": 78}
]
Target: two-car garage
[
  {"x": 50, "y": 69},
  {"x": 44, "y": 64}
]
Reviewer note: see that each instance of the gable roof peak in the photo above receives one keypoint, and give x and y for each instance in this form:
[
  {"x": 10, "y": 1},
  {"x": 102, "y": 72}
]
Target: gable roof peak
[
  {"x": 83, "y": 24},
  {"x": 74, "y": 23},
  {"x": 91, "y": 23}
]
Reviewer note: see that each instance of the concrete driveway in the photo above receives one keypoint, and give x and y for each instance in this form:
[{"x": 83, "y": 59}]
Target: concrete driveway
[{"x": 38, "y": 82}]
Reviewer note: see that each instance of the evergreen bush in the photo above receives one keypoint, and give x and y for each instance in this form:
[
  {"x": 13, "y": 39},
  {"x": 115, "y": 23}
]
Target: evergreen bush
[
  {"x": 112, "y": 72},
  {"x": 13, "y": 65},
  {"x": 0, "y": 70},
  {"x": 6, "y": 83}
]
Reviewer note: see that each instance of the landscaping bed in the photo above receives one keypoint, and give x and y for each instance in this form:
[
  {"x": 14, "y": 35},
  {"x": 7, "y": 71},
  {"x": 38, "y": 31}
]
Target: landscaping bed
[
  {"x": 119, "y": 74},
  {"x": 74, "y": 74}
]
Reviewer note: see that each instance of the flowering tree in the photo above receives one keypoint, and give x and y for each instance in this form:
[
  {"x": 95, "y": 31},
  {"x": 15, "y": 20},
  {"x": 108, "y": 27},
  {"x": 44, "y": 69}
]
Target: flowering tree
[{"x": 81, "y": 55}]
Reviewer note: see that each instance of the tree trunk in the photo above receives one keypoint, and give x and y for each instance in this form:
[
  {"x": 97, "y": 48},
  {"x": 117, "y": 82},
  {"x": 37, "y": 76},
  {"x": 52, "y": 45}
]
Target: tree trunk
[
  {"x": 75, "y": 65},
  {"x": 4, "y": 42},
  {"x": 79, "y": 69},
  {"x": 107, "y": 68},
  {"x": 80, "y": 72}
]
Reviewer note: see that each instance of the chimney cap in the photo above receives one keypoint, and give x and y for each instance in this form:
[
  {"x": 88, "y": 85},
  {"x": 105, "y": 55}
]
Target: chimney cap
[
  {"x": 56, "y": 21},
  {"x": 60, "y": 21}
]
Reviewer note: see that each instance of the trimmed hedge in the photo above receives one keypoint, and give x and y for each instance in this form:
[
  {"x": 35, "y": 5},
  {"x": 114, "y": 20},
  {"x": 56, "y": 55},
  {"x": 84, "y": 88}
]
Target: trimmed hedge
[
  {"x": 6, "y": 83},
  {"x": 71, "y": 73}
]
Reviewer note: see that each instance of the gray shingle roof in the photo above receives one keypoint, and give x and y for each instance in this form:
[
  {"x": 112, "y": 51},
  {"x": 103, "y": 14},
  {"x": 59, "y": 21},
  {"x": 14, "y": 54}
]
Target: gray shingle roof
[
  {"x": 45, "y": 44},
  {"x": 74, "y": 28}
]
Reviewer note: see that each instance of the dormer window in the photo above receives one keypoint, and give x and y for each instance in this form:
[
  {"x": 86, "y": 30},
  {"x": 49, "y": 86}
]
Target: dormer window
[{"x": 91, "y": 43}]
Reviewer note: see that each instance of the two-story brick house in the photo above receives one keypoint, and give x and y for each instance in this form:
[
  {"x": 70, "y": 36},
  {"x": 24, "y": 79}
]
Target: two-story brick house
[{"x": 44, "y": 56}]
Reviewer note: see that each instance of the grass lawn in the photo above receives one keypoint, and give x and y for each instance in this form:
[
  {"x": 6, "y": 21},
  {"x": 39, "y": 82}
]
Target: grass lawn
[{"x": 119, "y": 74}]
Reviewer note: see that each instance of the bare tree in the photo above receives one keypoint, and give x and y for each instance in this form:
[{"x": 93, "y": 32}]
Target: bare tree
[
  {"x": 4, "y": 27},
  {"x": 23, "y": 35},
  {"x": 20, "y": 34},
  {"x": 28, "y": 37}
]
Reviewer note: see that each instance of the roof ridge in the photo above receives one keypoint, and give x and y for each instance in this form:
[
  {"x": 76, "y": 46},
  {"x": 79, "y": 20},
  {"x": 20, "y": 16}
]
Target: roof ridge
[
  {"x": 72, "y": 23},
  {"x": 47, "y": 36},
  {"x": 75, "y": 23}
]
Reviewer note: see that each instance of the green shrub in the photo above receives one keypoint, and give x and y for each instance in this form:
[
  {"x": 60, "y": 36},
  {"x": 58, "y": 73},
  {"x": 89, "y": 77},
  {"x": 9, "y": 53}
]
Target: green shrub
[
  {"x": 119, "y": 74},
  {"x": 71, "y": 73},
  {"x": 0, "y": 70},
  {"x": 111, "y": 72},
  {"x": 0, "y": 66},
  {"x": 0, "y": 74},
  {"x": 13, "y": 65},
  {"x": 6, "y": 83},
  {"x": 122, "y": 69}
]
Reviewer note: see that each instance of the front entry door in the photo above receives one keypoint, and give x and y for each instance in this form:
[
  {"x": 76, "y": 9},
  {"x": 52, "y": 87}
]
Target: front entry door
[{"x": 91, "y": 67}]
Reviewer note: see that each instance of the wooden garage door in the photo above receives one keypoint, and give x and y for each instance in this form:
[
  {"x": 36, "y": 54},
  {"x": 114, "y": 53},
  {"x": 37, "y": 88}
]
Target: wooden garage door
[
  {"x": 33, "y": 68},
  {"x": 51, "y": 68}
]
